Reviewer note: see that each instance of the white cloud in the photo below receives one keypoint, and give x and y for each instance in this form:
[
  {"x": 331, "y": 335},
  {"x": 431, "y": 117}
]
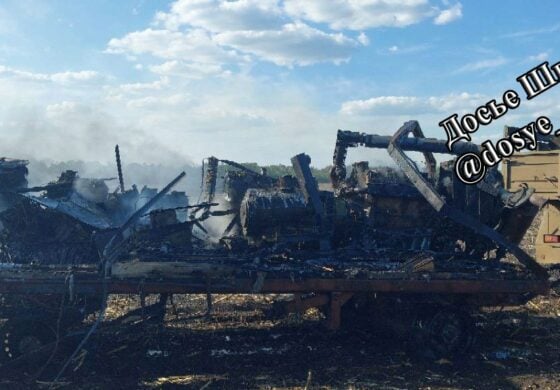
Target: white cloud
[
  {"x": 156, "y": 102},
  {"x": 409, "y": 105},
  {"x": 193, "y": 110},
  {"x": 483, "y": 64},
  {"x": 191, "y": 119},
  {"x": 363, "y": 39},
  {"x": 406, "y": 50},
  {"x": 191, "y": 70},
  {"x": 66, "y": 109},
  {"x": 233, "y": 33},
  {"x": 361, "y": 15},
  {"x": 258, "y": 15},
  {"x": 177, "y": 117},
  {"x": 449, "y": 15},
  {"x": 193, "y": 45},
  {"x": 219, "y": 16},
  {"x": 128, "y": 91},
  {"x": 295, "y": 43},
  {"x": 381, "y": 103},
  {"x": 538, "y": 57},
  {"x": 67, "y": 77},
  {"x": 529, "y": 33},
  {"x": 4, "y": 70},
  {"x": 60, "y": 78},
  {"x": 135, "y": 87}
]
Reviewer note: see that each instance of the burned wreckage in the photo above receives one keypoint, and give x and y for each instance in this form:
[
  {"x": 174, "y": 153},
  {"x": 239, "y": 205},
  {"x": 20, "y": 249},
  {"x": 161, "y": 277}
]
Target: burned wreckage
[
  {"x": 68, "y": 221},
  {"x": 419, "y": 235}
]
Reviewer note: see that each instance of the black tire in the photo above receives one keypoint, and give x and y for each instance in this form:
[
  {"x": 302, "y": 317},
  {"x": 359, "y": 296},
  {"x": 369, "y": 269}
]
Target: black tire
[
  {"x": 23, "y": 336},
  {"x": 446, "y": 333}
]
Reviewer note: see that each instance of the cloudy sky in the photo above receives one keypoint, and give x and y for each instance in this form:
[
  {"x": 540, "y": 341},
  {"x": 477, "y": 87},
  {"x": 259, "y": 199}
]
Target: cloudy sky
[{"x": 256, "y": 80}]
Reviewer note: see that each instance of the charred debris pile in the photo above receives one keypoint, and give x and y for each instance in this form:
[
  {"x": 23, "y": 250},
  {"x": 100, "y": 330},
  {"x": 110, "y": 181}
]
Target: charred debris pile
[{"x": 374, "y": 218}]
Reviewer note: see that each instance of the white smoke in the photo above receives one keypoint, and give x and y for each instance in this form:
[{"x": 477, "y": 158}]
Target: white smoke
[{"x": 217, "y": 225}]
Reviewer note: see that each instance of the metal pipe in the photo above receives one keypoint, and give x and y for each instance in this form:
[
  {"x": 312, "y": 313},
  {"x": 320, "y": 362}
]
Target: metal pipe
[
  {"x": 433, "y": 145},
  {"x": 119, "y": 168}
]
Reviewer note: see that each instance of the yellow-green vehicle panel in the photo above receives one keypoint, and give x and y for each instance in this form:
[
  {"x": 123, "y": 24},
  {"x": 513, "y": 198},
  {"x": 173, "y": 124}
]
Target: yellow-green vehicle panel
[{"x": 539, "y": 170}]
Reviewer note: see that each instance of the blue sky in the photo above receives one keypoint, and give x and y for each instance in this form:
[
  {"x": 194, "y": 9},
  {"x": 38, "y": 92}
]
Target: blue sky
[{"x": 256, "y": 80}]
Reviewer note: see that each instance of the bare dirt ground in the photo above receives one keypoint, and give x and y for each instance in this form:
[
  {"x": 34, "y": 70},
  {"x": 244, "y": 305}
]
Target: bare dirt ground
[{"x": 238, "y": 347}]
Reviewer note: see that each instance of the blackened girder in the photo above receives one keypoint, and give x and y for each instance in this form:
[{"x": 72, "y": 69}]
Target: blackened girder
[
  {"x": 210, "y": 178},
  {"x": 308, "y": 184}
]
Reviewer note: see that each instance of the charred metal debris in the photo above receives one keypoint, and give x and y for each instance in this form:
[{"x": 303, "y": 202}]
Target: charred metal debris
[
  {"x": 407, "y": 229},
  {"x": 382, "y": 216}
]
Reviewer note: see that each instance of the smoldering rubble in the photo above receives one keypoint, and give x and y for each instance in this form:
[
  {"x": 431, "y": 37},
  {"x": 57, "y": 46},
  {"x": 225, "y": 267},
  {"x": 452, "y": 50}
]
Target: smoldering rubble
[{"x": 389, "y": 230}]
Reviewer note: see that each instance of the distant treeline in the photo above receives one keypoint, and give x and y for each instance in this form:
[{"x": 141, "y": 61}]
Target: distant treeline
[
  {"x": 321, "y": 174},
  {"x": 151, "y": 175}
]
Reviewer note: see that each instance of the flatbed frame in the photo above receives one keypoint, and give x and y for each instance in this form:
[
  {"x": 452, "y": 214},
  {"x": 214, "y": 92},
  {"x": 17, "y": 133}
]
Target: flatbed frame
[{"x": 474, "y": 289}]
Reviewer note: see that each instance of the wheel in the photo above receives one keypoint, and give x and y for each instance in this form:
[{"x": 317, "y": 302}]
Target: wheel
[
  {"x": 20, "y": 337},
  {"x": 447, "y": 333}
]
